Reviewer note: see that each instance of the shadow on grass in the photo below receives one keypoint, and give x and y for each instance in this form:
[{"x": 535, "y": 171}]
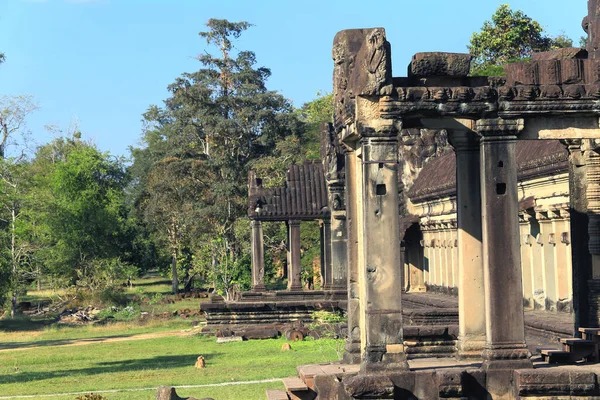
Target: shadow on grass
[
  {"x": 154, "y": 363},
  {"x": 25, "y": 324},
  {"x": 158, "y": 282},
  {"x": 56, "y": 342}
]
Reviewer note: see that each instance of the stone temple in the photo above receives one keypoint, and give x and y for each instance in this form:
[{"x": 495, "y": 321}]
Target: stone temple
[{"x": 441, "y": 184}]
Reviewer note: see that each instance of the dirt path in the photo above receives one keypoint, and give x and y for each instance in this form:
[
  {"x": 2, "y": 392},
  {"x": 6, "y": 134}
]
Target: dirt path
[{"x": 83, "y": 342}]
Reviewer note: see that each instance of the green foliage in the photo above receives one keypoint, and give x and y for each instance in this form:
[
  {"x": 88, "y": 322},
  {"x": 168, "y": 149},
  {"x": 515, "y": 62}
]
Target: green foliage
[
  {"x": 85, "y": 217},
  {"x": 129, "y": 313},
  {"x": 329, "y": 317},
  {"x": 510, "y": 35}
]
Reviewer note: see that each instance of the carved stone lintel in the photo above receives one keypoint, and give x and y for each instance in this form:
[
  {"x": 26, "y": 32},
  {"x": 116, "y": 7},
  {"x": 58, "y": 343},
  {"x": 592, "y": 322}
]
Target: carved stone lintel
[{"x": 500, "y": 127}]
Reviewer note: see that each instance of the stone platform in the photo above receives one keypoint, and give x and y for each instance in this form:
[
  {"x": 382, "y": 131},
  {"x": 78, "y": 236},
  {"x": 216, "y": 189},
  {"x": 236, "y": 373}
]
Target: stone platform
[
  {"x": 268, "y": 308},
  {"x": 551, "y": 324},
  {"x": 446, "y": 378}
]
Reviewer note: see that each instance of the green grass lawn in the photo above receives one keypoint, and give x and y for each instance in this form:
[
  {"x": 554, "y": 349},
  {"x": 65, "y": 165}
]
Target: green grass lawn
[
  {"x": 154, "y": 362},
  {"x": 37, "y": 356}
]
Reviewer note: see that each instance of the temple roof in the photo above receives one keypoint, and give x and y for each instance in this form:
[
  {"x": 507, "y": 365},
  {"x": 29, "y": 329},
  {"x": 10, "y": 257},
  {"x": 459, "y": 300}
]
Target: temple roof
[
  {"x": 535, "y": 158},
  {"x": 303, "y": 196}
]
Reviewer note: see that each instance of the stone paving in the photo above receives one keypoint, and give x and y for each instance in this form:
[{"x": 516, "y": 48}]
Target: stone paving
[{"x": 543, "y": 329}]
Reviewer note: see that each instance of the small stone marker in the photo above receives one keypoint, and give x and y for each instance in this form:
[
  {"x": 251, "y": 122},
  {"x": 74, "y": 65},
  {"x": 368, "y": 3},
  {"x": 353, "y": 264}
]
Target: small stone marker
[
  {"x": 200, "y": 363},
  {"x": 286, "y": 347},
  {"x": 228, "y": 339}
]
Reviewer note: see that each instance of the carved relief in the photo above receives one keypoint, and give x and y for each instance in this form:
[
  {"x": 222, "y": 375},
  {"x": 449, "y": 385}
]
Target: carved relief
[{"x": 362, "y": 66}]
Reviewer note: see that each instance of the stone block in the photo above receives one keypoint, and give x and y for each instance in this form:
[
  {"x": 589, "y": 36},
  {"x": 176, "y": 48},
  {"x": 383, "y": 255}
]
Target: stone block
[
  {"x": 522, "y": 73},
  {"x": 467, "y": 384},
  {"x": 555, "y": 382},
  {"x": 330, "y": 387},
  {"x": 440, "y": 64},
  {"x": 370, "y": 387}
]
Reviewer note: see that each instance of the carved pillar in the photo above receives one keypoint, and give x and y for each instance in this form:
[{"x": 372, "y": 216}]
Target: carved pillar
[
  {"x": 353, "y": 347},
  {"x": 294, "y": 263},
  {"x": 258, "y": 257},
  {"x": 362, "y": 67},
  {"x": 381, "y": 277},
  {"x": 326, "y": 254},
  {"x": 339, "y": 244},
  {"x": 505, "y": 329},
  {"x": 471, "y": 292},
  {"x": 580, "y": 255}
]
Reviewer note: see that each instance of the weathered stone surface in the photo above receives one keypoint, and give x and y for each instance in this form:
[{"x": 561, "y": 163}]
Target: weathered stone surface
[
  {"x": 362, "y": 66},
  {"x": 259, "y": 333},
  {"x": 458, "y": 383},
  {"x": 555, "y": 382},
  {"x": 330, "y": 387},
  {"x": 566, "y": 53},
  {"x": 440, "y": 64},
  {"x": 370, "y": 387}
]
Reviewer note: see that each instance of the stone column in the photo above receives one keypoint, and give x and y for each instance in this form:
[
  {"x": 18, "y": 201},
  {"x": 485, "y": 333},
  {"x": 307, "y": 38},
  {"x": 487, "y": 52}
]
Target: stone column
[
  {"x": 381, "y": 278},
  {"x": 294, "y": 264},
  {"x": 326, "y": 254},
  {"x": 258, "y": 257},
  {"x": 471, "y": 292},
  {"x": 352, "y": 348},
  {"x": 505, "y": 347}
]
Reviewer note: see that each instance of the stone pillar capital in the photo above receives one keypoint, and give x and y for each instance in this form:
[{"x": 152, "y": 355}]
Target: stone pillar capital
[
  {"x": 463, "y": 140},
  {"x": 380, "y": 130},
  {"x": 499, "y": 128},
  {"x": 294, "y": 222}
]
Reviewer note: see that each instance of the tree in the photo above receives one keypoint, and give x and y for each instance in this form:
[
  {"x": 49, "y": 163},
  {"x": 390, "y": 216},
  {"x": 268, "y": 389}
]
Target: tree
[
  {"x": 84, "y": 216},
  {"x": 508, "y": 37},
  {"x": 197, "y": 149},
  {"x": 13, "y": 169},
  {"x": 13, "y": 113}
]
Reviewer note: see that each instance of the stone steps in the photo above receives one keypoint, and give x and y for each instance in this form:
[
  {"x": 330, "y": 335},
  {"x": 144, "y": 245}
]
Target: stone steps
[
  {"x": 297, "y": 389},
  {"x": 273, "y": 394},
  {"x": 575, "y": 349},
  {"x": 303, "y": 386}
]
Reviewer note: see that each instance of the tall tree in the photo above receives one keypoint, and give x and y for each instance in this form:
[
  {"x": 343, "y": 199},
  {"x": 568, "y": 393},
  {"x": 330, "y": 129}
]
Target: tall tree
[
  {"x": 508, "y": 37},
  {"x": 216, "y": 120}
]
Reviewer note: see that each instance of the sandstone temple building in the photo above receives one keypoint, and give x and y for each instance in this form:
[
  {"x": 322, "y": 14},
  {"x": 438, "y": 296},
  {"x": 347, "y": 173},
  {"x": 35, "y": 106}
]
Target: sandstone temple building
[{"x": 483, "y": 188}]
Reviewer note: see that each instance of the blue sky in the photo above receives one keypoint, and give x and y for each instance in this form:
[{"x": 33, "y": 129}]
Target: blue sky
[{"x": 103, "y": 62}]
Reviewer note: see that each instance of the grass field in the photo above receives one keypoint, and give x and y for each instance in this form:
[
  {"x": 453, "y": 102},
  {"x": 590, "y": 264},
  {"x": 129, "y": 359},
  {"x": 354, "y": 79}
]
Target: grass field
[{"x": 40, "y": 359}]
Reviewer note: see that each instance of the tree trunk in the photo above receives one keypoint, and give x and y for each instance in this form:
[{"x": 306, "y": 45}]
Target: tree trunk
[
  {"x": 175, "y": 281},
  {"x": 13, "y": 301},
  {"x": 13, "y": 256}
]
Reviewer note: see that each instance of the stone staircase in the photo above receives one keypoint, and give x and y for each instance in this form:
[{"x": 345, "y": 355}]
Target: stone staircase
[{"x": 575, "y": 349}]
